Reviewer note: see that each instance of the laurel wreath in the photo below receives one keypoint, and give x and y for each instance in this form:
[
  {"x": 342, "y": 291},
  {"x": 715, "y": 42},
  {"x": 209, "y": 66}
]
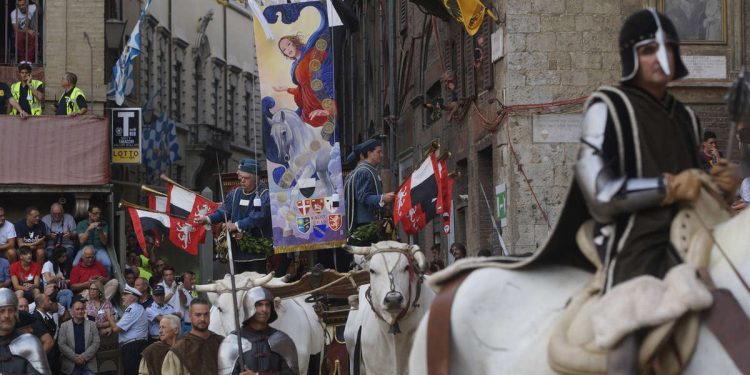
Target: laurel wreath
[
  {"x": 366, "y": 235},
  {"x": 255, "y": 245}
]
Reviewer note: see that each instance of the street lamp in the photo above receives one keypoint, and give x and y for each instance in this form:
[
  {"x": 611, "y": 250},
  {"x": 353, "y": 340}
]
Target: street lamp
[{"x": 114, "y": 29}]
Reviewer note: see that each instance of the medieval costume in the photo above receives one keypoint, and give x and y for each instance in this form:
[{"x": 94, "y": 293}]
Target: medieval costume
[
  {"x": 193, "y": 355},
  {"x": 363, "y": 188},
  {"x": 251, "y": 212},
  {"x": 266, "y": 351},
  {"x": 631, "y": 139},
  {"x": 152, "y": 358}
]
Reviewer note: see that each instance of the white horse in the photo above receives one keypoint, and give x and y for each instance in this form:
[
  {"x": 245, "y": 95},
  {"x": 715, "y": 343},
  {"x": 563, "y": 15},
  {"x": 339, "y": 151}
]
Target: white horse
[
  {"x": 502, "y": 319},
  {"x": 302, "y": 147}
]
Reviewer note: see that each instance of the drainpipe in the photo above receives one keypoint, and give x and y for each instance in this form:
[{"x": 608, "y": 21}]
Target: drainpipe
[{"x": 392, "y": 86}]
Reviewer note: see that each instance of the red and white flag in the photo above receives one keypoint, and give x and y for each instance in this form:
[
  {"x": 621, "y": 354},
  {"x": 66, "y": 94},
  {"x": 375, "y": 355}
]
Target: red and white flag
[
  {"x": 419, "y": 198},
  {"x": 185, "y": 203},
  {"x": 166, "y": 231},
  {"x": 157, "y": 202},
  {"x": 447, "y": 193}
]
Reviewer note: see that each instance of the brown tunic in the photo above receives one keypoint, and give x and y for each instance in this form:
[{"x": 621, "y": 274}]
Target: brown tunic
[
  {"x": 152, "y": 358},
  {"x": 197, "y": 355},
  {"x": 666, "y": 138}
]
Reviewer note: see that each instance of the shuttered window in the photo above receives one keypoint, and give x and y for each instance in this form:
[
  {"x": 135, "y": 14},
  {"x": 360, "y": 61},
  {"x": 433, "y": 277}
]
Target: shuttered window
[
  {"x": 484, "y": 73},
  {"x": 467, "y": 43}
]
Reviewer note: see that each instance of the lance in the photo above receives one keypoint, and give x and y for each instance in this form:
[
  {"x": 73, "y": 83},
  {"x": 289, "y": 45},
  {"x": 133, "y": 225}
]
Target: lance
[
  {"x": 232, "y": 282},
  {"x": 738, "y": 106}
]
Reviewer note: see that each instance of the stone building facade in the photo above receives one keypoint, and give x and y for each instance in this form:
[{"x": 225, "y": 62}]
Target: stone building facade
[
  {"x": 197, "y": 67},
  {"x": 548, "y": 56}
]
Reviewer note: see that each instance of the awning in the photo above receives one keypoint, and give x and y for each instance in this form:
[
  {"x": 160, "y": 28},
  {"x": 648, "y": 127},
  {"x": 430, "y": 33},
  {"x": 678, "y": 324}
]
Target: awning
[{"x": 54, "y": 150}]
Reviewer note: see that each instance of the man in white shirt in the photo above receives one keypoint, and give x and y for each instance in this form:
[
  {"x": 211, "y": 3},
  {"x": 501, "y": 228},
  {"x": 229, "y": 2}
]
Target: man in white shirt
[
  {"x": 7, "y": 238},
  {"x": 172, "y": 289},
  {"x": 25, "y": 20},
  {"x": 60, "y": 224}
]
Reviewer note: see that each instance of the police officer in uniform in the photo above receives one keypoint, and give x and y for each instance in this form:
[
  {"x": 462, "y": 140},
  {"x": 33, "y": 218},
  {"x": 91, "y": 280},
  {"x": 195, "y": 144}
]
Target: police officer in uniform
[
  {"x": 132, "y": 330},
  {"x": 264, "y": 349},
  {"x": 248, "y": 210},
  {"x": 639, "y": 143},
  {"x": 20, "y": 353}
]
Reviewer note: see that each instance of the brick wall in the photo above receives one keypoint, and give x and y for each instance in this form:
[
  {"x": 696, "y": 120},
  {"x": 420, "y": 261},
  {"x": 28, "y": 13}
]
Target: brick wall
[{"x": 66, "y": 49}]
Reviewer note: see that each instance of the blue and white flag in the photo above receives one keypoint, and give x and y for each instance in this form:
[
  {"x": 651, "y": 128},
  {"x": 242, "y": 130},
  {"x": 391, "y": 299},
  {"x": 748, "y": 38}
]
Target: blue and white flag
[
  {"x": 160, "y": 147},
  {"x": 122, "y": 73}
]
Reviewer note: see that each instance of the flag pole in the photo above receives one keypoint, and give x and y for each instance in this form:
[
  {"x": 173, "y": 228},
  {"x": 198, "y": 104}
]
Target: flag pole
[
  {"x": 150, "y": 190},
  {"x": 166, "y": 178},
  {"x": 503, "y": 249},
  {"x": 235, "y": 305}
]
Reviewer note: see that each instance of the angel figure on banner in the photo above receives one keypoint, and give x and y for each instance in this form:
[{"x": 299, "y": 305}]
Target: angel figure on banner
[{"x": 311, "y": 71}]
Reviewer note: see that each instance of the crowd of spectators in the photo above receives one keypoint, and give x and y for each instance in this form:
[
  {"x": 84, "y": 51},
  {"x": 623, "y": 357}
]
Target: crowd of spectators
[{"x": 62, "y": 274}]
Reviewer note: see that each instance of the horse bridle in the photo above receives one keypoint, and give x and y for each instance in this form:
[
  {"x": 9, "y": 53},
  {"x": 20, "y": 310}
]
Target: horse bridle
[{"x": 413, "y": 274}]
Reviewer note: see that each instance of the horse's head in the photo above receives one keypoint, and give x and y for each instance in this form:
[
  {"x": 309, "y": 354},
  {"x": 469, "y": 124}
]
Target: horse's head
[{"x": 281, "y": 134}]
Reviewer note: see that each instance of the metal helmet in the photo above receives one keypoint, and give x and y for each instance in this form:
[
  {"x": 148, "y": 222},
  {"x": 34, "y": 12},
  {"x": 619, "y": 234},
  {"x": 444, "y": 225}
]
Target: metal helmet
[
  {"x": 8, "y": 298},
  {"x": 254, "y": 296},
  {"x": 644, "y": 27}
]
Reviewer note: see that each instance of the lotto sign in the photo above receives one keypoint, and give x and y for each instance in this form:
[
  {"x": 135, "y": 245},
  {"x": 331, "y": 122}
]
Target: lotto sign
[{"x": 126, "y": 135}]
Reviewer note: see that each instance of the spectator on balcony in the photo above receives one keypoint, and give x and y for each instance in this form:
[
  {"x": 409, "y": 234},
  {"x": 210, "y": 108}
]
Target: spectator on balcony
[
  {"x": 7, "y": 238},
  {"x": 25, "y": 25},
  {"x": 28, "y": 92},
  {"x": 32, "y": 232},
  {"x": 6, "y": 97},
  {"x": 73, "y": 102},
  {"x": 95, "y": 232},
  {"x": 61, "y": 228}
]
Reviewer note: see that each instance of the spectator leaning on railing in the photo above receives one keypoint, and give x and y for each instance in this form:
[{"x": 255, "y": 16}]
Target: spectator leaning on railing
[
  {"x": 25, "y": 25},
  {"x": 6, "y": 97}
]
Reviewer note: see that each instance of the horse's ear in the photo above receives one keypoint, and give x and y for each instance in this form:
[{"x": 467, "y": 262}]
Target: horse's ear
[{"x": 282, "y": 116}]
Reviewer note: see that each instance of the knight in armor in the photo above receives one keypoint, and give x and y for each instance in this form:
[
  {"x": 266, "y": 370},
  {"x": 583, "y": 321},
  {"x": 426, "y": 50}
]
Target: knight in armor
[
  {"x": 638, "y": 144},
  {"x": 248, "y": 212},
  {"x": 265, "y": 350},
  {"x": 20, "y": 353}
]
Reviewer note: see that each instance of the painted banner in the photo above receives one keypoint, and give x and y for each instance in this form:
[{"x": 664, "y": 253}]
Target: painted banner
[{"x": 300, "y": 131}]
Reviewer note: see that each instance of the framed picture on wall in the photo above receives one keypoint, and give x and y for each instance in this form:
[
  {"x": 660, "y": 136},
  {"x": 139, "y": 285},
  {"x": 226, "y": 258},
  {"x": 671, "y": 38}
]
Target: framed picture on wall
[{"x": 698, "y": 21}]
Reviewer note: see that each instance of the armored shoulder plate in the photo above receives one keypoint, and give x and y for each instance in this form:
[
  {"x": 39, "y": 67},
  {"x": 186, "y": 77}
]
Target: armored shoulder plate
[
  {"x": 30, "y": 348},
  {"x": 228, "y": 353},
  {"x": 283, "y": 345}
]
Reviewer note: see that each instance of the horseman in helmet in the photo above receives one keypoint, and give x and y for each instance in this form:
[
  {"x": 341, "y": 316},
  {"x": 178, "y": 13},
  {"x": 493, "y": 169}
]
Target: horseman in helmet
[
  {"x": 639, "y": 143},
  {"x": 264, "y": 349},
  {"x": 19, "y": 353}
]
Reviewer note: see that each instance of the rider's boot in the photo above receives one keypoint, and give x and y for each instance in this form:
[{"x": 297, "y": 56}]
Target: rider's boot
[{"x": 622, "y": 359}]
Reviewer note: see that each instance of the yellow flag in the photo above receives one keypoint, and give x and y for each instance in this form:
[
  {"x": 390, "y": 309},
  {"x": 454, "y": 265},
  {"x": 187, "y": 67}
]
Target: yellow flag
[{"x": 469, "y": 12}]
